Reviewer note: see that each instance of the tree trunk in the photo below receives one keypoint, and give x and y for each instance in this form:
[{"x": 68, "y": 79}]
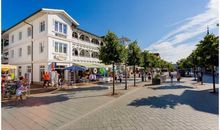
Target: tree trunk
[
  {"x": 126, "y": 84},
  {"x": 134, "y": 76},
  {"x": 213, "y": 78},
  {"x": 145, "y": 76},
  {"x": 113, "y": 88}
]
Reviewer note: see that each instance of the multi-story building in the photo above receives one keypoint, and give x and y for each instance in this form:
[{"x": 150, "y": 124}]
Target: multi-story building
[
  {"x": 56, "y": 39},
  {"x": 4, "y": 48}
]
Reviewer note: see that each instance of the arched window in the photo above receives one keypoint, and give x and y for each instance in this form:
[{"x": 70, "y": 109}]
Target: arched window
[
  {"x": 87, "y": 53},
  {"x": 101, "y": 44},
  {"x": 74, "y": 34},
  {"x": 75, "y": 52},
  {"x": 95, "y": 41},
  {"x": 95, "y": 55},
  {"x": 84, "y": 38},
  {"x": 82, "y": 53}
]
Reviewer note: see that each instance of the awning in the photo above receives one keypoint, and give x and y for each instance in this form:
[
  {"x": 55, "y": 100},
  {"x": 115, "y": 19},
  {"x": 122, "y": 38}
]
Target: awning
[
  {"x": 92, "y": 65},
  {"x": 75, "y": 68},
  {"x": 8, "y": 67}
]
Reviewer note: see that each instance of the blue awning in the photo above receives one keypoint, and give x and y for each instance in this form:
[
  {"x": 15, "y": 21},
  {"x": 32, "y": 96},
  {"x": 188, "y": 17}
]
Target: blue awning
[{"x": 76, "y": 68}]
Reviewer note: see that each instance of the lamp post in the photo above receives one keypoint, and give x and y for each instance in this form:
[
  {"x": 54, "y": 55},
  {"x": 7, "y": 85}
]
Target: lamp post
[{"x": 32, "y": 53}]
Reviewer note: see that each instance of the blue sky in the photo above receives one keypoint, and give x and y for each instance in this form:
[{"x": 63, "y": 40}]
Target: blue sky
[{"x": 170, "y": 27}]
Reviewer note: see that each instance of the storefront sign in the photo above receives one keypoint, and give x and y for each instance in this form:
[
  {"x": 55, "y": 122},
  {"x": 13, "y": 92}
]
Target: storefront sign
[
  {"x": 60, "y": 35},
  {"x": 60, "y": 57}
]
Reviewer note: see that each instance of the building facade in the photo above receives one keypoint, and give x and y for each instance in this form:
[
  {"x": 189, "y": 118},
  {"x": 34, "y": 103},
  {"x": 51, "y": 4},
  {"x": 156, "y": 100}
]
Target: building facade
[{"x": 56, "y": 40}]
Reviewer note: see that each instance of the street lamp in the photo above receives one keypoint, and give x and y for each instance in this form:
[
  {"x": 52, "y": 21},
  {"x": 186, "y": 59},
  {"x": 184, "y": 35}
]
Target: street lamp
[{"x": 32, "y": 54}]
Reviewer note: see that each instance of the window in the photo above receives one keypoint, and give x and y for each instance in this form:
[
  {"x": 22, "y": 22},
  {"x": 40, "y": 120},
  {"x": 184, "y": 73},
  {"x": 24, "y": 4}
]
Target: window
[
  {"x": 74, "y": 34},
  {"x": 84, "y": 38},
  {"x": 20, "y": 35},
  {"x": 56, "y": 46},
  {"x": 28, "y": 50},
  {"x": 95, "y": 54},
  {"x": 42, "y": 26},
  {"x": 28, "y": 69},
  {"x": 56, "y": 26},
  {"x": 60, "y": 47},
  {"x": 60, "y": 27},
  {"x": 64, "y": 48},
  {"x": 12, "y": 39},
  {"x": 74, "y": 52},
  {"x": 95, "y": 41},
  {"x": 42, "y": 67},
  {"x": 64, "y": 29},
  {"x": 12, "y": 53},
  {"x": 82, "y": 53},
  {"x": 19, "y": 71},
  {"x": 20, "y": 51},
  {"x": 41, "y": 47},
  {"x": 29, "y": 31}
]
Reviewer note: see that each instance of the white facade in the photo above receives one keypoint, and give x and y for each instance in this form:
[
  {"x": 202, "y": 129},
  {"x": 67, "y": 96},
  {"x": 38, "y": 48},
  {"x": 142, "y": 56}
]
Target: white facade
[{"x": 53, "y": 42}]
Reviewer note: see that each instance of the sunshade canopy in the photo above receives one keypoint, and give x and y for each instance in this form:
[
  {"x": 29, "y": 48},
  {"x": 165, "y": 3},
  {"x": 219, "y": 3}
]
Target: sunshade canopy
[
  {"x": 92, "y": 65},
  {"x": 75, "y": 68},
  {"x": 8, "y": 67}
]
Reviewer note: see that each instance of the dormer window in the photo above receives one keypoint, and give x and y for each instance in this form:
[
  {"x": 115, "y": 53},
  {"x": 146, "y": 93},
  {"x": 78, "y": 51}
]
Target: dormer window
[{"x": 60, "y": 27}]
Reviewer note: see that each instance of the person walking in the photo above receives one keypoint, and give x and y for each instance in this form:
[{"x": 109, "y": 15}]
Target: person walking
[
  {"x": 178, "y": 76},
  {"x": 120, "y": 78},
  {"x": 171, "y": 77},
  {"x": 46, "y": 78},
  {"x": 19, "y": 89}
]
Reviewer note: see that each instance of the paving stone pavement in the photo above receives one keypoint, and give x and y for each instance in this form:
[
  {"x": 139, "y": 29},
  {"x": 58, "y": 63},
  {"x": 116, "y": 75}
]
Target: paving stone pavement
[
  {"x": 179, "y": 106},
  {"x": 184, "y": 106},
  {"x": 51, "y": 111}
]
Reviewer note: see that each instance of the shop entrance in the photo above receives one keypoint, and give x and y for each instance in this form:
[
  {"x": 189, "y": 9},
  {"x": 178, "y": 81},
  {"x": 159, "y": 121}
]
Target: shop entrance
[{"x": 60, "y": 70}]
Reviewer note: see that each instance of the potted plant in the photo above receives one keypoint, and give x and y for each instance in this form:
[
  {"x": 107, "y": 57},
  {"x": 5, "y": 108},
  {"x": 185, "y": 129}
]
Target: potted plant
[{"x": 156, "y": 79}]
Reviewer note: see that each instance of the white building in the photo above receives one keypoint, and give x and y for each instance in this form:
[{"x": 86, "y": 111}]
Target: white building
[{"x": 56, "y": 39}]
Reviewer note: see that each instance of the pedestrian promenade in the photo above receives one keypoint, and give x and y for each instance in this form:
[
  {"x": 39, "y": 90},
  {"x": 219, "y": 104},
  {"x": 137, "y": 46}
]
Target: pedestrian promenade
[{"x": 179, "y": 106}]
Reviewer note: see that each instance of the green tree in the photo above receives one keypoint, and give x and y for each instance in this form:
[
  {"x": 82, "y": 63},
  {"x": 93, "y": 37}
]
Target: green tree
[
  {"x": 134, "y": 57},
  {"x": 111, "y": 53},
  {"x": 208, "y": 51}
]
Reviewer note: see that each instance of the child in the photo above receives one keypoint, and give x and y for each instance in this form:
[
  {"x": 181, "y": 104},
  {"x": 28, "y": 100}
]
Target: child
[{"x": 19, "y": 89}]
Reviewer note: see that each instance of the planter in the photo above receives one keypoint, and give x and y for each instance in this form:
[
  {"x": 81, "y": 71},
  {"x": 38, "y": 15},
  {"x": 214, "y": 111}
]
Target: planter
[{"x": 155, "y": 81}]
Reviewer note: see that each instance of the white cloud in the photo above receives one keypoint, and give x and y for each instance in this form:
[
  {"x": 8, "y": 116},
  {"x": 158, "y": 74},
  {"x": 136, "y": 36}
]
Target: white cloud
[
  {"x": 187, "y": 29},
  {"x": 172, "y": 53}
]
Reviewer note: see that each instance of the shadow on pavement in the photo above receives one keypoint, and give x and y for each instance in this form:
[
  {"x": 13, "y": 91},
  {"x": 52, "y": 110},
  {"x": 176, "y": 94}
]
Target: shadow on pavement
[
  {"x": 174, "y": 82},
  {"x": 171, "y": 87},
  {"x": 93, "y": 88},
  {"x": 199, "y": 100},
  {"x": 36, "y": 101}
]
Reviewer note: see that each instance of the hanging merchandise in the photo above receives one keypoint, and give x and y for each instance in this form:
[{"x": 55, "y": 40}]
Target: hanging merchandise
[
  {"x": 94, "y": 70},
  {"x": 102, "y": 71}
]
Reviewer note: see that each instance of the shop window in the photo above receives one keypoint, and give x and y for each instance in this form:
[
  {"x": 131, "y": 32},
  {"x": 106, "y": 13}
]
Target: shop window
[
  {"x": 42, "y": 68},
  {"x": 19, "y": 71}
]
